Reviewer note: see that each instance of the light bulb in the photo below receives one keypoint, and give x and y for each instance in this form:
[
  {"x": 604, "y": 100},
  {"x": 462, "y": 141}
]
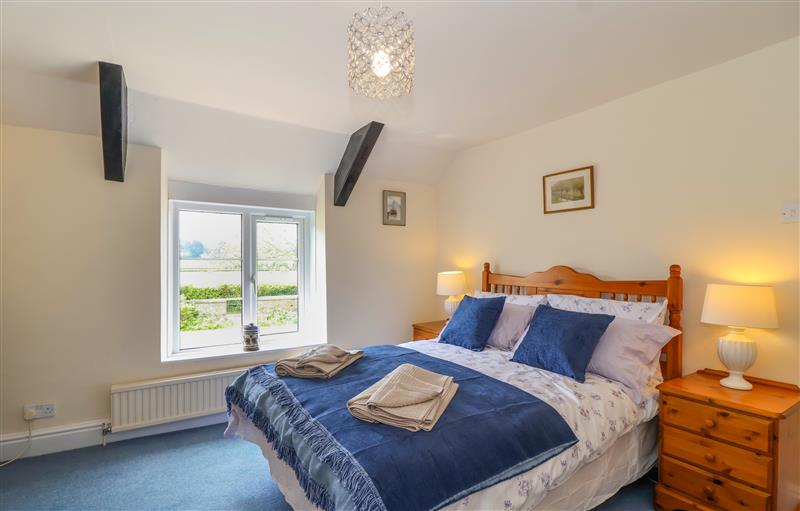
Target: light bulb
[{"x": 380, "y": 64}]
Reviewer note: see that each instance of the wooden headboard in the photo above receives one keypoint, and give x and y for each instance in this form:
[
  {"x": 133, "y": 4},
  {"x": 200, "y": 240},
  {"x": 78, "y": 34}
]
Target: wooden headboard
[{"x": 565, "y": 280}]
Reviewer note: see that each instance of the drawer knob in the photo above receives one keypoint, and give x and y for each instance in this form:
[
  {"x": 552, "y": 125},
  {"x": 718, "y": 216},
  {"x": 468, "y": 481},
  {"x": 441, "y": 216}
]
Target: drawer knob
[
  {"x": 708, "y": 490},
  {"x": 710, "y": 423},
  {"x": 710, "y": 457}
]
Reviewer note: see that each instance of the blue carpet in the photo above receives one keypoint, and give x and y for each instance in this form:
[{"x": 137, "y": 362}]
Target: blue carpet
[{"x": 188, "y": 470}]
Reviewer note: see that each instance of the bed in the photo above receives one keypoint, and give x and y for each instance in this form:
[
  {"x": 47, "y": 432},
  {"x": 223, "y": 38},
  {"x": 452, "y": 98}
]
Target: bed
[{"x": 616, "y": 439}]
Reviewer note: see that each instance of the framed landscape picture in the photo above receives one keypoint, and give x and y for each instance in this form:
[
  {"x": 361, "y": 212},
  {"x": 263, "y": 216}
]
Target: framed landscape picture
[
  {"x": 569, "y": 190},
  {"x": 394, "y": 208}
]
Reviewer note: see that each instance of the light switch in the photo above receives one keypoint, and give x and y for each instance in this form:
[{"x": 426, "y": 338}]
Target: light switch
[{"x": 790, "y": 212}]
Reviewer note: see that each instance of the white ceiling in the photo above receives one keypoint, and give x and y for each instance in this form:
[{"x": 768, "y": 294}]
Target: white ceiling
[{"x": 484, "y": 70}]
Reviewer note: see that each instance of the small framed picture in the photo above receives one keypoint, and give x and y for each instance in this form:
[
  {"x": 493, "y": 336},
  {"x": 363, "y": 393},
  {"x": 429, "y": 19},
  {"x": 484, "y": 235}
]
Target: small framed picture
[
  {"x": 569, "y": 190},
  {"x": 394, "y": 208}
]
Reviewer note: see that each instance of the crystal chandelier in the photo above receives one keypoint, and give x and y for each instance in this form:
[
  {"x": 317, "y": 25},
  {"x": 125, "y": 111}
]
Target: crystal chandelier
[{"x": 380, "y": 53}]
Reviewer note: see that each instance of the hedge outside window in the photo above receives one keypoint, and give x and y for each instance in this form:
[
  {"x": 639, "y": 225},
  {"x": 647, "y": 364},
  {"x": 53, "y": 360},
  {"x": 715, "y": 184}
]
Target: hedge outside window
[{"x": 233, "y": 265}]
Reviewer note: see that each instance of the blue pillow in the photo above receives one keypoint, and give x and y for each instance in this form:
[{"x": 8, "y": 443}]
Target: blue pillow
[
  {"x": 562, "y": 341},
  {"x": 473, "y": 321}
]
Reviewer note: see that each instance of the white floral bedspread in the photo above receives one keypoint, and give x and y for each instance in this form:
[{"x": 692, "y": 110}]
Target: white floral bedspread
[{"x": 598, "y": 411}]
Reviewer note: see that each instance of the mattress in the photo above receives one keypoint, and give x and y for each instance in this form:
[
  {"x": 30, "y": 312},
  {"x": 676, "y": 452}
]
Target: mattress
[{"x": 616, "y": 438}]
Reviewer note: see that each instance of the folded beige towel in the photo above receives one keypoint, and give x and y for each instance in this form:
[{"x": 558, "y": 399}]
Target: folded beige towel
[
  {"x": 320, "y": 362},
  {"x": 409, "y": 397}
]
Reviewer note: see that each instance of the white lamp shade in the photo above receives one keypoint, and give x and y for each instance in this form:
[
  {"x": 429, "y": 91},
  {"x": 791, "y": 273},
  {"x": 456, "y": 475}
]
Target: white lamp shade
[
  {"x": 740, "y": 306},
  {"x": 449, "y": 283}
]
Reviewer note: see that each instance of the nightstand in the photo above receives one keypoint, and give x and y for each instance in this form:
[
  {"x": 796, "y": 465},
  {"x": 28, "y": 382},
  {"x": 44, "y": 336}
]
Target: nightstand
[
  {"x": 728, "y": 449},
  {"x": 429, "y": 330}
]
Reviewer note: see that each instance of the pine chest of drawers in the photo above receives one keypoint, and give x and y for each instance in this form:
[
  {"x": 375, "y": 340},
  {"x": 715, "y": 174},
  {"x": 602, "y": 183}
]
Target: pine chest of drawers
[{"x": 725, "y": 449}]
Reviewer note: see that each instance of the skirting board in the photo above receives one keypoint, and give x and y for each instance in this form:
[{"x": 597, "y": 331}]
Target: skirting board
[
  {"x": 169, "y": 427},
  {"x": 87, "y": 434},
  {"x": 48, "y": 440}
]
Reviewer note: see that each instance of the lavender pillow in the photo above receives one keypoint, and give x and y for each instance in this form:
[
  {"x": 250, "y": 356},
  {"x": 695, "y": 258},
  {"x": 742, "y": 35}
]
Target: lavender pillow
[
  {"x": 514, "y": 319},
  {"x": 626, "y": 351}
]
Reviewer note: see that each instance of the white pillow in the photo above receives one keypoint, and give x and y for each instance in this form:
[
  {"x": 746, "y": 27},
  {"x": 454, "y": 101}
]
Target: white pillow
[
  {"x": 628, "y": 352},
  {"x": 653, "y": 313},
  {"x": 529, "y": 300}
]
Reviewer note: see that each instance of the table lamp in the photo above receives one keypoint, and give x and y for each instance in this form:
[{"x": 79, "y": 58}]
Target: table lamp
[
  {"x": 738, "y": 307},
  {"x": 453, "y": 285}
]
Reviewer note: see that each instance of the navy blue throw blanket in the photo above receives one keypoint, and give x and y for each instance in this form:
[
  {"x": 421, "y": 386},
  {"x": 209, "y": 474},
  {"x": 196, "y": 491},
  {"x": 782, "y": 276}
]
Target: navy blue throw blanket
[{"x": 490, "y": 432}]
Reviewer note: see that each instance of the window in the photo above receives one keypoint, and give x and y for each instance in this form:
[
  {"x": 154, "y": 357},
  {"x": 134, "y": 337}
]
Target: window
[{"x": 234, "y": 265}]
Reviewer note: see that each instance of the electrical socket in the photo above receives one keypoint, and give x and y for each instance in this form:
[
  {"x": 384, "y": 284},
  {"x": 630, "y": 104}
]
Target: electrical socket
[
  {"x": 30, "y": 412},
  {"x": 790, "y": 212}
]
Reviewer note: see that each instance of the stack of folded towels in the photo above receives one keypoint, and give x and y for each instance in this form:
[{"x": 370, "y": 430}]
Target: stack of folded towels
[
  {"x": 409, "y": 397},
  {"x": 321, "y": 362}
]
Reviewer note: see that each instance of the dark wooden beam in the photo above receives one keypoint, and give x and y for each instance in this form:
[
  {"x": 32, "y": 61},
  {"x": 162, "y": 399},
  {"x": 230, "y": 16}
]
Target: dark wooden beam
[
  {"x": 355, "y": 157},
  {"x": 113, "y": 119}
]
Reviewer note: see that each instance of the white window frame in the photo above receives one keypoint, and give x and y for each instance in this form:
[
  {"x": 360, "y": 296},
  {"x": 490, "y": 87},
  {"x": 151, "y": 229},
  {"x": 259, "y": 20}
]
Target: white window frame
[{"x": 250, "y": 215}]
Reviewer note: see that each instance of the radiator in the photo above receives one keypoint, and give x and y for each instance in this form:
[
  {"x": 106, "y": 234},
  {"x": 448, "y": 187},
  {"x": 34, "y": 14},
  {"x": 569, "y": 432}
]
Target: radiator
[{"x": 152, "y": 402}]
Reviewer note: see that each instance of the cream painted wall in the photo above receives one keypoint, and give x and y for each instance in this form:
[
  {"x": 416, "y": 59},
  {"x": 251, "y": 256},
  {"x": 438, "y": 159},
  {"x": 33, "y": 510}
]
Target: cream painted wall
[
  {"x": 380, "y": 278},
  {"x": 692, "y": 171},
  {"x": 71, "y": 243},
  {"x": 72, "y": 240}
]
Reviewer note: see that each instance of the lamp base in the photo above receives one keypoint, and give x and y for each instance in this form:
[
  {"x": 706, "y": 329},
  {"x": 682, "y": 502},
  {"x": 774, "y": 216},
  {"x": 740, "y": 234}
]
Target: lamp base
[
  {"x": 738, "y": 353},
  {"x": 736, "y": 381},
  {"x": 451, "y": 304}
]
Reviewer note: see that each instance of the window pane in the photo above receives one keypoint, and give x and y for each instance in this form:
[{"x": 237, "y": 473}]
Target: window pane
[
  {"x": 210, "y": 279},
  {"x": 276, "y": 276}
]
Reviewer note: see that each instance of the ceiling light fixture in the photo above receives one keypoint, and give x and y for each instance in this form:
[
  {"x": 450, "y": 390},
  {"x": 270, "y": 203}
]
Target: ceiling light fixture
[{"x": 380, "y": 53}]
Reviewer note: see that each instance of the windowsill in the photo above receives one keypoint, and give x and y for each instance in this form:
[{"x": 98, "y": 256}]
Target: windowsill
[{"x": 274, "y": 346}]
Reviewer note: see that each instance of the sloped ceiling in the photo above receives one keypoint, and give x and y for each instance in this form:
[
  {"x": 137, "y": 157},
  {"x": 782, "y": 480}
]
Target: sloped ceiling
[{"x": 255, "y": 94}]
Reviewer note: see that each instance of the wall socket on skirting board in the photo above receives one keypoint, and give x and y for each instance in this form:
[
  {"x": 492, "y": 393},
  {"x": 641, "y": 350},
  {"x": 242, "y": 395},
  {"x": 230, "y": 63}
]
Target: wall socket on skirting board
[{"x": 30, "y": 412}]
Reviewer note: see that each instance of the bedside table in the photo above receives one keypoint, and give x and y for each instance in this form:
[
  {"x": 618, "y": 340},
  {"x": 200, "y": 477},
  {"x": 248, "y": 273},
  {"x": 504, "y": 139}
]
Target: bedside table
[
  {"x": 429, "y": 330},
  {"x": 728, "y": 449}
]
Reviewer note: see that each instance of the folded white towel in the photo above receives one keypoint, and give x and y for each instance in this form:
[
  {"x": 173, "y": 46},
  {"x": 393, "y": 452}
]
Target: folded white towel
[
  {"x": 409, "y": 397},
  {"x": 321, "y": 362}
]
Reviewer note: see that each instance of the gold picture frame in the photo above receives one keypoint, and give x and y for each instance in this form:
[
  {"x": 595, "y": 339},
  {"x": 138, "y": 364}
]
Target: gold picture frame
[
  {"x": 394, "y": 208},
  {"x": 568, "y": 190}
]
